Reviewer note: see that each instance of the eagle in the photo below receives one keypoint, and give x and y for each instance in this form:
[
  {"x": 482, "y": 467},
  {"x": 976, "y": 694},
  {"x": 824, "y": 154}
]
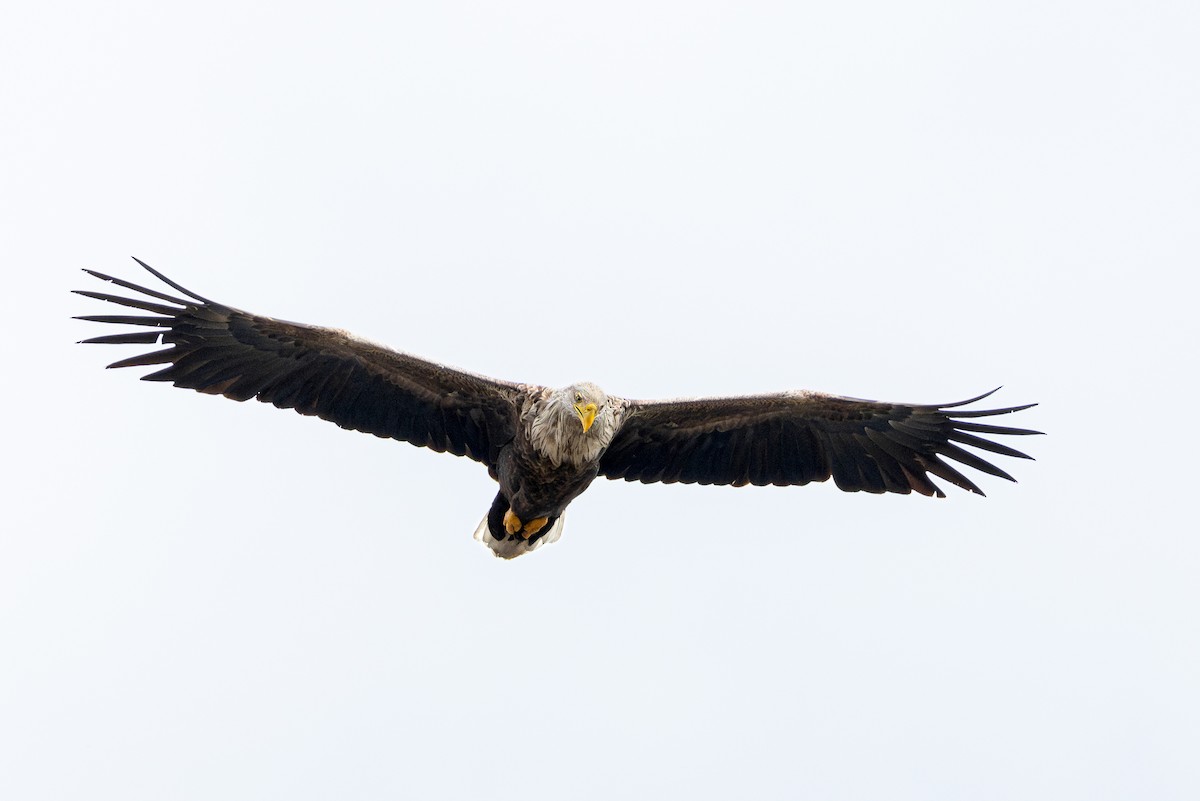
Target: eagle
[{"x": 545, "y": 446}]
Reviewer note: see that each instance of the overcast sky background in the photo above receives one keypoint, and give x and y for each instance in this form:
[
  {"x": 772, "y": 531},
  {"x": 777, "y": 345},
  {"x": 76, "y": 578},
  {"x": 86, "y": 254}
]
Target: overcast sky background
[{"x": 201, "y": 599}]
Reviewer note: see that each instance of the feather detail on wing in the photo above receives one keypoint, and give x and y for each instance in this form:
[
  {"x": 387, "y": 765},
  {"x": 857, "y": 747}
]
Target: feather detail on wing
[
  {"x": 327, "y": 372},
  {"x": 796, "y": 437}
]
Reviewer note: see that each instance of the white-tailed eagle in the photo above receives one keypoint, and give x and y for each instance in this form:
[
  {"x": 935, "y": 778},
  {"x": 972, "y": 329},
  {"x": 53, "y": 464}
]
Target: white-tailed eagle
[{"x": 545, "y": 446}]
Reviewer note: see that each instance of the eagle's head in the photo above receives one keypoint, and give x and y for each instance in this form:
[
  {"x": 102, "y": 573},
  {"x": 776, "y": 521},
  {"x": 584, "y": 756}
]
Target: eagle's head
[{"x": 573, "y": 424}]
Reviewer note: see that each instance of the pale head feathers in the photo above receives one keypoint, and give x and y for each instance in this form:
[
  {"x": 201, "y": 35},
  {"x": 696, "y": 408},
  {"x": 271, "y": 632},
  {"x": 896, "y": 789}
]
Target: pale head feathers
[{"x": 556, "y": 431}]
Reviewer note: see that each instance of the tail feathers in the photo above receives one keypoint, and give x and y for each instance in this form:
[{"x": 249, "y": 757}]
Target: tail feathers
[
  {"x": 512, "y": 546},
  {"x": 491, "y": 533}
]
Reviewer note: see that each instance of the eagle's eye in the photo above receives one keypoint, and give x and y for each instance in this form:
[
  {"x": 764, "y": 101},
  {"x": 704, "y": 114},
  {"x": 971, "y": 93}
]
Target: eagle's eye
[{"x": 578, "y": 398}]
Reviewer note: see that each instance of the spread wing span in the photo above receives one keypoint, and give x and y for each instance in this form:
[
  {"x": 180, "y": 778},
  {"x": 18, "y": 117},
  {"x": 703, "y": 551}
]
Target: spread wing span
[
  {"x": 797, "y": 437},
  {"x": 326, "y": 372}
]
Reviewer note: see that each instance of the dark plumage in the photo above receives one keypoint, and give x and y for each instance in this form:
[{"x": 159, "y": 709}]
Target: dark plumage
[{"x": 545, "y": 446}]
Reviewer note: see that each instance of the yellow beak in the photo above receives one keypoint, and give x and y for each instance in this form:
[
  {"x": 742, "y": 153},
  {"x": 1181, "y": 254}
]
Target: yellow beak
[{"x": 587, "y": 415}]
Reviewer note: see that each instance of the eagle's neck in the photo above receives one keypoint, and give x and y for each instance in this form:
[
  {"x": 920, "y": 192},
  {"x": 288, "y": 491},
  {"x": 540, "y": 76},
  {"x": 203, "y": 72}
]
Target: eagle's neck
[{"x": 554, "y": 431}]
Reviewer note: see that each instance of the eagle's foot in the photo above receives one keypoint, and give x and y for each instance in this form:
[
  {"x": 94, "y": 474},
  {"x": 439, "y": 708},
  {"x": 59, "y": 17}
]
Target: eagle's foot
[
  {"x": 513, "y": 525},
  {"x": 533, "y": 527}
]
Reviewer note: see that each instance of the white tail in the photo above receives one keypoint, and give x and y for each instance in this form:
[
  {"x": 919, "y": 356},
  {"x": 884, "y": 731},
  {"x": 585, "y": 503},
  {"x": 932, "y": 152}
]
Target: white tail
[{"x": 515, "y": 546}]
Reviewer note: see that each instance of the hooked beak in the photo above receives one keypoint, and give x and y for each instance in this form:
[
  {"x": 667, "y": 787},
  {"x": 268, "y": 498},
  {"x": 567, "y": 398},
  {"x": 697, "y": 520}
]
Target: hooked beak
[{"x": 587, "y": 415}]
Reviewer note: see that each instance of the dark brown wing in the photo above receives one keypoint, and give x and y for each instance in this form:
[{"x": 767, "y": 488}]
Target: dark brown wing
[
  {"x": 325, "y": 372},
  {"x": 798, "y": 437}
]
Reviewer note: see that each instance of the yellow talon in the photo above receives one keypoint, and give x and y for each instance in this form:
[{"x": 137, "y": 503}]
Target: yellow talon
[
  {"x": 512, "y": 523},
  {"x": 533, "y": 527}
]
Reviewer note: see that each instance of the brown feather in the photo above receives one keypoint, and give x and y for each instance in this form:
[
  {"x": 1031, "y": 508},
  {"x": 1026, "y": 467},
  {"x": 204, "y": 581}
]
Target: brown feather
[
  {"x": 794, "y": 438},
  {"x": 220, "y": 350}
]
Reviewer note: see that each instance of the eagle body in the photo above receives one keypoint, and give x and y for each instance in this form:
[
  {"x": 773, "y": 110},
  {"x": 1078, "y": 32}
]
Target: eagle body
[
  {"x": 545, "y": 446},
  {"x": 549, "y": 462}
]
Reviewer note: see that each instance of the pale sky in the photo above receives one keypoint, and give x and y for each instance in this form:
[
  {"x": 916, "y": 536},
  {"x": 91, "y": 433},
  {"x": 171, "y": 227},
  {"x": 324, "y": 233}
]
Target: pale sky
[{"x": 208, "y": 600}]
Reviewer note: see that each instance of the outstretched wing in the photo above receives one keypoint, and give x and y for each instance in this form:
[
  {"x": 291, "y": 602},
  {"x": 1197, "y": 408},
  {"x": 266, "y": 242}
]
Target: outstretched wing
[
  {"x": 326, "y": 372},
  {"x": 797, "y": 437}
]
